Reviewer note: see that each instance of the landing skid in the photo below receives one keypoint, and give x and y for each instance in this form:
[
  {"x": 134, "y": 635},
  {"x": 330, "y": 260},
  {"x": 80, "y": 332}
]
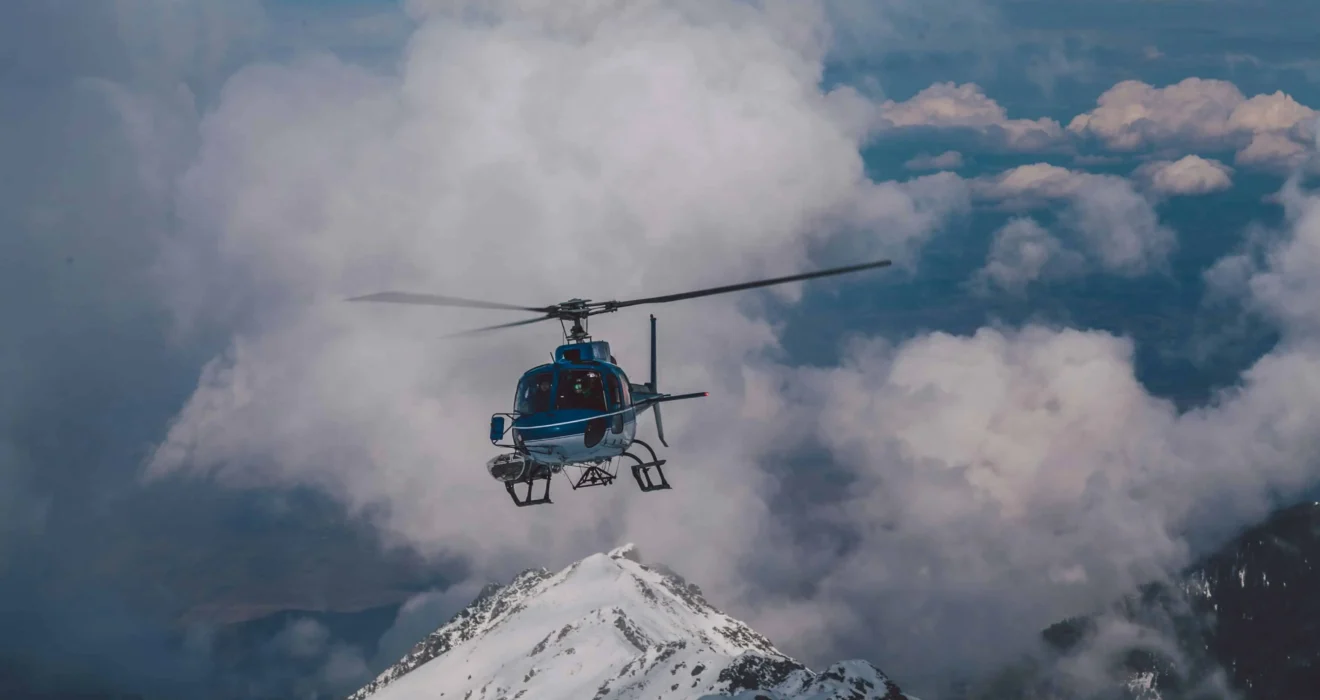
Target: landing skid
[
  {"x": 531, "y": 483},
  {"x": 528, "y": 483},
  {"x": 641, "y": 471},
  {"x": 590, "y": 475}
]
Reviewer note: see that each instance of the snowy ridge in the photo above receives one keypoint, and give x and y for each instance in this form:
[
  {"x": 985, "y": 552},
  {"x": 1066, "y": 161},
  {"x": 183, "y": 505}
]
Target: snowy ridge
[{"x": 609, "y": 628}]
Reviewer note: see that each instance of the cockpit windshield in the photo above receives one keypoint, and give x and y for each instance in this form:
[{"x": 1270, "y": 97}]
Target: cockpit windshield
[
  {"x": 534, "y": 393},
  {"x": 581, "y": 389}
]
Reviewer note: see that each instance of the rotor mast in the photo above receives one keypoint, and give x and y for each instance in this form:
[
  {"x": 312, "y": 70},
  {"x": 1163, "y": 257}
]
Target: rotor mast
[
  {"x": 573, "y": 318},
  {"x": 576, "y": 333}
]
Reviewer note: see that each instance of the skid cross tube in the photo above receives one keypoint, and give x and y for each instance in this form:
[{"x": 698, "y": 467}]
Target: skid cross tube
[{"x": 592, "y": 475}]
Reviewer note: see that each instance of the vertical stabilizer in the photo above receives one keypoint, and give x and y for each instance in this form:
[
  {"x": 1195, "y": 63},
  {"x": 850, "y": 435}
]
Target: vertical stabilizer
[{"x": 655, "y": 388}]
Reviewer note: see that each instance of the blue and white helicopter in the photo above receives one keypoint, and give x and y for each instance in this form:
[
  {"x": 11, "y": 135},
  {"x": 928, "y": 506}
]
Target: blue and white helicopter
[{"x": 580, "y": 410}]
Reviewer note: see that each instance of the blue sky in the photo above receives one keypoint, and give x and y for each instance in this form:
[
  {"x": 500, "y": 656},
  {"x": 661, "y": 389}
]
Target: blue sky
[{"x": 100, "y": 363}]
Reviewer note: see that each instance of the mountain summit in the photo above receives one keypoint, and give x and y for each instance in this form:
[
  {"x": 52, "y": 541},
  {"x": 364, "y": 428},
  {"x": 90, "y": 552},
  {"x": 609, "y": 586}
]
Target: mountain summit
[{"x": 609, "y": 628}]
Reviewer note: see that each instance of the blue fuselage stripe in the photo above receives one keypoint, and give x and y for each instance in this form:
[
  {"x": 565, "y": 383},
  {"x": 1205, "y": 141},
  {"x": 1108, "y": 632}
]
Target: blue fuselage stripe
[{"x": 531, "y": 431}]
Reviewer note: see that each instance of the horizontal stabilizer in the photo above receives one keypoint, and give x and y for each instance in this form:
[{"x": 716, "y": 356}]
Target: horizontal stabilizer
[{"x": 662, "y": 398}]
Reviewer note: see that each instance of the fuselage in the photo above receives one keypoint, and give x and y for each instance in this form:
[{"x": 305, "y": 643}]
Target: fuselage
[{"x": 576, "y": 409}]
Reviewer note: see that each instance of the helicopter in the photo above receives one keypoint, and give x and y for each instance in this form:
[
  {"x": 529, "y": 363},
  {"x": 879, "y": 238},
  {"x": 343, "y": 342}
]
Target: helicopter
[{"x": 579, "y": 412}]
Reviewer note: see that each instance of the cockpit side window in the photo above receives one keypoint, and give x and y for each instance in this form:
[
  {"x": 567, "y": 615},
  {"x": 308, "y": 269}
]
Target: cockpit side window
[
  {"x": 580, "y": 389},
  {"x": 535, "y": 393},
  {"x": 625, "y": 389},
  {"x": 616, "y": 394}
]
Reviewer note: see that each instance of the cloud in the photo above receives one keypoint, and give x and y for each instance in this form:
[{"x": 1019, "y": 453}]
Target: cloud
[
  {"x": 303, "y": 638},
  {"x": 1102, "y": 660},
  {"x": 1279, "y": 273},
  {"x": 1002, "y": 480},
  {"x": 1119, "y": 227},
  {"x": 421, "y": 615},
  {"x": 1267, "y": 130},
  {"x": 966, "y": 106},
  {"x": 1033, "y": 182},
  {"x": 948, "y": 160},
  {"x": 1023, "y": 252},
  {"x": 987, "y": 491},
  {"x": 519, "y": 158},
  {"x": 1275, "y": 150},
  {"x": 344, "y": 670},
  {"x": 1189, "y": 175},
  {"x": 304, "y": 658}
]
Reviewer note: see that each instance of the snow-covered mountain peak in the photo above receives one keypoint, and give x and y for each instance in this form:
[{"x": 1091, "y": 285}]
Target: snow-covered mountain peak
[
  {"x": 627, "y": 551},
  {"x": 608, "y": 627}
]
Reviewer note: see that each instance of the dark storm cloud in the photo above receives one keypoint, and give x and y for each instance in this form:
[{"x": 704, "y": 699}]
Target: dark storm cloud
[
  {"x": 99, "y": 110},
  {"x": 80, "y": 216},
  {"x": 80, "y": 376},
  {"x": 94, "y": 122}
]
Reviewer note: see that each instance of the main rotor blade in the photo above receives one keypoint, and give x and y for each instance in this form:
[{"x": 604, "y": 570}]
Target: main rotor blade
[
  {"x": 747, "y": 285},
  {"x": 474, "y": 331},
  {"x": 437, "y": 300}
]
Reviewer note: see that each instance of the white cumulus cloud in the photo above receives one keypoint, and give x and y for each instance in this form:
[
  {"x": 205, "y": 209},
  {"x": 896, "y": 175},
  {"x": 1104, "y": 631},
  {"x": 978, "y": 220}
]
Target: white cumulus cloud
[
  {"x": 1032, "y": 460},
  {"x": 1284, "y": 282},
  {"x": 1022, "y": 252},
  {"x": 1189, "y": 175},
  {"x": 1036, "y": 181},
  {"x": 1119, "y": 227},
  {"x": 966, "y": 106},
  {"x": 1270, "y": 130}
]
